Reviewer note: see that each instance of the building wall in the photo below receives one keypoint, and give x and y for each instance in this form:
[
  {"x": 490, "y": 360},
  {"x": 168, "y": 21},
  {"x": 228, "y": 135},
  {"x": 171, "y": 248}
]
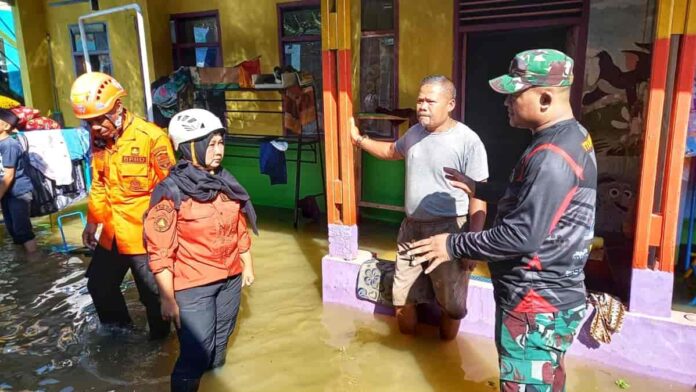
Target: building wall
[
  {"x": 250, "y": 29},
  {"x": 31, "y": 35},
  {"x": 8, "y": 32},
  {"x": 425, "y": 47},
  {"x": 38, "y": 19}
]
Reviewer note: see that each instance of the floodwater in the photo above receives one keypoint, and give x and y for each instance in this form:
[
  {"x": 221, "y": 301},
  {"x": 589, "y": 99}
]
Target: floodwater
[{"x": 286, "y": 340}]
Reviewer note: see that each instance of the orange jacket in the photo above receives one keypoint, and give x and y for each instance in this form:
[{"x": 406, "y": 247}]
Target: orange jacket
[
  {"x": 124, "y": 175},
  {"x": 200, "y": 243}
]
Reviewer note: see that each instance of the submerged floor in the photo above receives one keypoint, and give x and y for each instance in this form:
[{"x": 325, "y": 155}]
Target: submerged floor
[{"x": 286, "y": 339}]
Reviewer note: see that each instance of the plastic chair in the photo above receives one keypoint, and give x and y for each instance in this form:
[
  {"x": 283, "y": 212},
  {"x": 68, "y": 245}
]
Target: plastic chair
[{"x": 65, "y": 248}]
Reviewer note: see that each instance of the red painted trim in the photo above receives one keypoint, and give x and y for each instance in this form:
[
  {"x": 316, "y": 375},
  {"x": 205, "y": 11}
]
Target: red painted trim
[
  {"x": 330, "y": 94},
  {"x": 345, "y": 111},
  {"x": 679, "y": 122},
  {"x": 645, "y": 231},
  {"x": 562, "y": 209}
]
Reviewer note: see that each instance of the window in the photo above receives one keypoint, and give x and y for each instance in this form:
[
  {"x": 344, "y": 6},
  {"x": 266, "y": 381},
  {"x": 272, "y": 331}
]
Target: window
[
  {"x": 196, "y": 39},
  {"x": 300, "y": 40},
  {"x": 97, "y": 48},
  {"x": 378, "y": 64}
]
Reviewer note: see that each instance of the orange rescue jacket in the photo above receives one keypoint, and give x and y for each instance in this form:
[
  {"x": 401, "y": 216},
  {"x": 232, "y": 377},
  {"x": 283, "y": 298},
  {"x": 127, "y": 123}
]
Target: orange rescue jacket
[
  {"x": 124, "y": 175},
  {"x": 200, "y": 243}
]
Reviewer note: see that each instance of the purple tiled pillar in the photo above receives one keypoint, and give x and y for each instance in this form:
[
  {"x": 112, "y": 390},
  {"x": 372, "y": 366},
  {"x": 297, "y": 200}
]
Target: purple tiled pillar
[
  {"x": 651, "y": 292},
  {"x": 343, "y": 241}
]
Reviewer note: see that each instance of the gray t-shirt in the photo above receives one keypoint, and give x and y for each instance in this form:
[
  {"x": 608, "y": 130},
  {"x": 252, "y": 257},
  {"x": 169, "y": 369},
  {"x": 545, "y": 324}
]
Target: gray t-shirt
[{"x": 428, "y": 194}]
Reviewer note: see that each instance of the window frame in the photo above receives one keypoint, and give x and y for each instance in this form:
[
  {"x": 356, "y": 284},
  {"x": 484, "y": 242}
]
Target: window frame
[
  {"x": 393, "y": 33},
  {"x": 282, "y": 40},
  {"x": 77, "y": 52},
  {"x": 176, "y": 19}
]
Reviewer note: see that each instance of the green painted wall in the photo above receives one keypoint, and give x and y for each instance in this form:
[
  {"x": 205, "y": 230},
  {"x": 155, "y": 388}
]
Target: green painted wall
[
  {"x": 247, "y": 171},
  {"x": 382, "y": 182}
]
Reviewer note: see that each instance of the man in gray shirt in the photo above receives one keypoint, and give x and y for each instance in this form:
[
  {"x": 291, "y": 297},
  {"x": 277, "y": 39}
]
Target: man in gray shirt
[{"x": 433, "y": 205}]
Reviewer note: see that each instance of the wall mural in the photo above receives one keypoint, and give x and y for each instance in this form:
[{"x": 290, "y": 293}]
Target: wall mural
[{"x": 614, "y": 101}]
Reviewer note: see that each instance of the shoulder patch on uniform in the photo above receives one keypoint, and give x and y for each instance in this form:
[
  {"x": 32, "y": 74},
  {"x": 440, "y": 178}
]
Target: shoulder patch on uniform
[
  {"x": 162, "y": 222},
  {"x": 587, "y": 144},
  {"x": 163, "y": 160}
]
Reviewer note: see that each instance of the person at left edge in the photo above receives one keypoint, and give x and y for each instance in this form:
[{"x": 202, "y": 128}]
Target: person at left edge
[{"x": 130, "y": 156}]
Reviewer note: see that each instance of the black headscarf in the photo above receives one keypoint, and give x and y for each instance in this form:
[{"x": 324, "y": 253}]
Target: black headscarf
[{"x": 199, "y": 184}]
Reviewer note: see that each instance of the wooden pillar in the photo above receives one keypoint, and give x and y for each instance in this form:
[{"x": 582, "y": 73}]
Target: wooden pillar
[
  {"x": 651, "y": 290},
  {"x": 679, "y": 120},
  {"x": 338, "y": 109},
  {"x": 648, "y": 224}
]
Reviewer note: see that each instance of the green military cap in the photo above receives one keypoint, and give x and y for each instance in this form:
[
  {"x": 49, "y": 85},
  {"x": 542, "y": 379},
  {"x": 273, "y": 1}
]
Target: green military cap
[{"x": 536, "y": 67}]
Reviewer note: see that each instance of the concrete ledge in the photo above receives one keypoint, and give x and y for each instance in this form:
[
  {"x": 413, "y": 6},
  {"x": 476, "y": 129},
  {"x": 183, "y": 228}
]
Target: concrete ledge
[{"x": 655, "y": 346}]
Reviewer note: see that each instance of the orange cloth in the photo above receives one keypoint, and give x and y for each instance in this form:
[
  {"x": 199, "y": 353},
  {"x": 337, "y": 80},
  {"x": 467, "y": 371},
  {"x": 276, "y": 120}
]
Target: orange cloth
[
  {"x": 124, "y": 175},
  {"x": 299, "y": 108},
  {"x": 200, "y": 243}
]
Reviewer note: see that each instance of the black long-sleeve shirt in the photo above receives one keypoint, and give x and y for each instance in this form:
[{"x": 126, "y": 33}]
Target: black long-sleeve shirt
[{"x": 540, "y": 241}]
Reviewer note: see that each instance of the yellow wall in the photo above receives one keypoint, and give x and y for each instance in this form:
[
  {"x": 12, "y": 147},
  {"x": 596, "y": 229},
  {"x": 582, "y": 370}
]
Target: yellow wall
[
  {"x": 123, "y": 44},
  {"x": 34, "y": 58},
  {"x": 425, "y": 44},
  {"x": 249, "y": 29}
]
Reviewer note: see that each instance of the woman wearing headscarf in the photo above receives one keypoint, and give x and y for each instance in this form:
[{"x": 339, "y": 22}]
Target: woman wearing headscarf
[{"x": 199, "y": 247}]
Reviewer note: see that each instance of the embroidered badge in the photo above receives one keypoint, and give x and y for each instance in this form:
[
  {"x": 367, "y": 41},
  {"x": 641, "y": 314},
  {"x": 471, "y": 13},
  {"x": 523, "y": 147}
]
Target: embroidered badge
[
  {"x": 164, "y": 207},
  {"x": 163, "y": 161},
  {"x": 162, "y": 224},
  {"x": 134, "y": 159},
  {"x": 587, "y": 144},
  {"x": 135, "y": 151},
  {"x": 136, "y": 185}
]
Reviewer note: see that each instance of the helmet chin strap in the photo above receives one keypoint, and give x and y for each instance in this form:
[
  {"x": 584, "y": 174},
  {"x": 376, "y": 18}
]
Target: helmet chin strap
[
  {"x": 194, "y": 158},
  {"x": 193, "y": 153}
]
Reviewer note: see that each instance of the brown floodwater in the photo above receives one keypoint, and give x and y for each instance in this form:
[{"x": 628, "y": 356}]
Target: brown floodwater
[{"x": 286, "y": 340}]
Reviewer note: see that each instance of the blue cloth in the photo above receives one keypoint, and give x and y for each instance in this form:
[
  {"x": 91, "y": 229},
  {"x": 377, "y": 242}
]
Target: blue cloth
[
  {"x": 77, "y": 140},
  {"x": 15, "y": 212},
  {"x": 12, "y": 156},
  {"x": 272, "y": 163}
]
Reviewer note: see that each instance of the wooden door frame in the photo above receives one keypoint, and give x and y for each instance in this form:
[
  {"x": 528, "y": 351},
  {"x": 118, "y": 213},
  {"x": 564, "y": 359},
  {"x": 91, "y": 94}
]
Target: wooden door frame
[{"x": 578, "y": 27}]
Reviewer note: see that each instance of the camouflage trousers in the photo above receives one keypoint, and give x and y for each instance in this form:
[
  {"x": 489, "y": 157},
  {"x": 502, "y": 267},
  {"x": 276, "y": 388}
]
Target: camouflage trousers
[{"x": 531, "y": 348}]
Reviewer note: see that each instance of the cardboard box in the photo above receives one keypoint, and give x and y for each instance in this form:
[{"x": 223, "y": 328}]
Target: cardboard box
[{"x": 216, "y": 75}]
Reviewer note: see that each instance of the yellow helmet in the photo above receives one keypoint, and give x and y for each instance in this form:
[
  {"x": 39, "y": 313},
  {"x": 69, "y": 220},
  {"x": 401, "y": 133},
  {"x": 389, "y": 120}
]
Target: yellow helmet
[{"x": 94, "y": 94}]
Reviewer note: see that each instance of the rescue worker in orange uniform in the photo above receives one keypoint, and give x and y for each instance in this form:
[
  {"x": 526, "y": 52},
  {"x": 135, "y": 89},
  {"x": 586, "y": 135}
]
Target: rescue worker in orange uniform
[
  {"x": 130, "y": 156},
  {"x": 199, "y": 247}
]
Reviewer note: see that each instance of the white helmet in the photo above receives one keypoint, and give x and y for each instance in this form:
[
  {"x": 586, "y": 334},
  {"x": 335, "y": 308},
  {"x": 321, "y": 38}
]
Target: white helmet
[{"x": 192, "y": 124}]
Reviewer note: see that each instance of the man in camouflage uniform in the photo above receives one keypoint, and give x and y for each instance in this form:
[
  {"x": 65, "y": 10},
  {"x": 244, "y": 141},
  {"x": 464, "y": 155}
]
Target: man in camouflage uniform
[{"x": 540, "y": 241}]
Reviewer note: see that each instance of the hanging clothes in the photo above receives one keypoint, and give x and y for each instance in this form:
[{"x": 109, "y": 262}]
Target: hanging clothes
[
  {"x": 300, "y": 110},
  {"x": 48, "y": 152},
  {"x": 77, "y": 141},
  {"x": 272, "y": 161}
]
